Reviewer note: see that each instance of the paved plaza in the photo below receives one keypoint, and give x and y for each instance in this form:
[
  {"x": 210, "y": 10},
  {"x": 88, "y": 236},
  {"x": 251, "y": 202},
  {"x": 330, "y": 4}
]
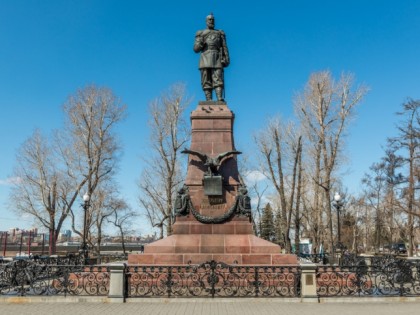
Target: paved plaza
[{"x": 212, "y": 307}]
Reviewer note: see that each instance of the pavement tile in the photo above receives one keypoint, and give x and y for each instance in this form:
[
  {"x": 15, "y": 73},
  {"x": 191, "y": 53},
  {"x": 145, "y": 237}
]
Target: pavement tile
[{"x": 212, "y": 307}]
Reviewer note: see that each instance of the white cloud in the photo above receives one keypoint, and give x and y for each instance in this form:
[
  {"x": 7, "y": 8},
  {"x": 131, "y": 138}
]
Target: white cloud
[
  {"x": 10, "y": 181},
  {"x": 254, "y": 177}
]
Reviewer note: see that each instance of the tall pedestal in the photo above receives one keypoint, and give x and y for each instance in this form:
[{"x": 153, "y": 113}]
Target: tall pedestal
[{"x": 231, "y": 241}]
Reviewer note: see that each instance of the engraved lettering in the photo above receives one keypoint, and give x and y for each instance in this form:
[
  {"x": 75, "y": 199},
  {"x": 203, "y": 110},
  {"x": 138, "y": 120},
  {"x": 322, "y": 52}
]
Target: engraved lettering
[
  {"x": 212, "y": 207},
  {"x": 216, "y": 200},
  {"x": 213, "y": 203}
]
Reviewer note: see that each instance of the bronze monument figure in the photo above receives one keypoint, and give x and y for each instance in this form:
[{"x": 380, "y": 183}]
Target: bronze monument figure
[
  {"x": 211, "y": 212},
  {"x": 244, "y": 202},
  {"x": 211, "y": 43},
  {"x": 181, "y": 202}
]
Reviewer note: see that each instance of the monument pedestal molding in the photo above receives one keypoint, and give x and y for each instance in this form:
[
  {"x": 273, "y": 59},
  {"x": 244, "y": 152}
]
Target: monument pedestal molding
[{"x": 194, "y": 242}]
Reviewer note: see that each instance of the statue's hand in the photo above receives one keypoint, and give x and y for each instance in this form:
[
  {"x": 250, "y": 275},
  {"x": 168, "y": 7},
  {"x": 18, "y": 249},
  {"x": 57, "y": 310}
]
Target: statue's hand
[
  {"x": 199, "y": 41},
  {"x": 225, "y": 62}
]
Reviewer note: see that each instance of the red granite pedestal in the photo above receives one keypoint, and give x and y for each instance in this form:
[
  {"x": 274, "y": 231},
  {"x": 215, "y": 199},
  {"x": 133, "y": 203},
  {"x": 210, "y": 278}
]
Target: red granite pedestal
[{"x": 233, "y": 241}]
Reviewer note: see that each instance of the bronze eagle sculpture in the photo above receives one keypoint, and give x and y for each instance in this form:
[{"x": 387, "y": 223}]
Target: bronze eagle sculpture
[{"x": 212, "y": 163}]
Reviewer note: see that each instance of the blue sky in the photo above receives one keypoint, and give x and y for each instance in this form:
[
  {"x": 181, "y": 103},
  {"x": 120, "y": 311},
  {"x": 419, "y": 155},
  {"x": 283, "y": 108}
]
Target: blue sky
[{"x": 137, "y": 48}]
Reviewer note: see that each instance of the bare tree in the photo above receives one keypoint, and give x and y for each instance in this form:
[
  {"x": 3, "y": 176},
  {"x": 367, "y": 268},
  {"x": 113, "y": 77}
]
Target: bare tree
[
  {"x": 375, "y": 192},
  {"x": 42, "y": 189},
  {"x": 299, "y": 194},
  {"x": 89, "y": 146},
  {"x": 256, "y": 182},
  {"x": 105, "y": 205},
  {"x": 392, "y": 163},
  {"x": 162, "y": 173},
  {"x": 257, "y": 196},
  {"x": 358, "y": 209},
  {"x": 123, "y": 220},
  {"x": 280, "y": 150},
  {"x": 53, "y": 171},
  {"x": 392, "y": 184},
  {"x": 325, "y": 108},
  {"x": 408, "y": 142}
]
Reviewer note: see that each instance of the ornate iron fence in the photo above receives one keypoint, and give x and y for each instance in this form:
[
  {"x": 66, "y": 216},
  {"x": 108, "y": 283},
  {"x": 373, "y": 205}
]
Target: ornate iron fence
[
  {"x": 29, "y": 277},
  {"x": 383, "y": 277},
  {"x": 213, "y": 279}
]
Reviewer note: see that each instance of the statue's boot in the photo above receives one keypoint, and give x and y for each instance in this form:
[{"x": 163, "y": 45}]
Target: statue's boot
[
  {"x": 208, "y": 95},
  {"x": 219, "y": 94}
]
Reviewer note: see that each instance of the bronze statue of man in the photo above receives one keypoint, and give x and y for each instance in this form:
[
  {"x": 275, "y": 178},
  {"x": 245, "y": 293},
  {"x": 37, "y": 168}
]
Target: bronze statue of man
[{"x": 214, "y": 57}]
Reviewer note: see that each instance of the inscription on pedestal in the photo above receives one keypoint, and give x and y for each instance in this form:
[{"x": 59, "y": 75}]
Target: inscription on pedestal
[{"x": 213, "y": 203}]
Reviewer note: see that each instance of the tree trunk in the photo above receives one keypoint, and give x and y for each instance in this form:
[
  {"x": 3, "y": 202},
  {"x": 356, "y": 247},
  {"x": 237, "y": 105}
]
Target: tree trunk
[
  {"x": 122, "y": 241},
  {"x": 318, "y": 212},
  {"x": 53, "y": 236},
  {"x": 411, "y": 196},
  {"x": 298, "y": 193}
]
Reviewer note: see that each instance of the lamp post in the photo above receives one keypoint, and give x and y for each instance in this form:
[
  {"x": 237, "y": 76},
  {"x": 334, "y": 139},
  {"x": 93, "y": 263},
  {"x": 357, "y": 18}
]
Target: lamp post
[
  {"x": 85, "y": 251},
  {"x": 338, "y": 204}
]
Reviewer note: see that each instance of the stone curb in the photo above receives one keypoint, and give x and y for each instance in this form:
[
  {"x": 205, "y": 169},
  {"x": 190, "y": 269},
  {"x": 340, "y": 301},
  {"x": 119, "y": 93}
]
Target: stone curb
[
  {"x": 94, "y": 299},
  {"x": 393, "y": 299},
  {"x": 54, "y": 299}
]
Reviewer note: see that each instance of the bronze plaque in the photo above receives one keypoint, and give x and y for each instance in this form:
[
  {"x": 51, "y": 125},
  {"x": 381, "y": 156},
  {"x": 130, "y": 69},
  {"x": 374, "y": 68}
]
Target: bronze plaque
[
  {"x": 309, "y": 280},
  {"x": 213, "y": 185}
]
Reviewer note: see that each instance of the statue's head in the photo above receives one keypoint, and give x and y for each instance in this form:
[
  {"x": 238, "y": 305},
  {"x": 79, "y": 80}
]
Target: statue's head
[
  {"x": 183, "y": 189},
  {"x": 243, "y": 190},
  {"x": 210, "y": 21}
]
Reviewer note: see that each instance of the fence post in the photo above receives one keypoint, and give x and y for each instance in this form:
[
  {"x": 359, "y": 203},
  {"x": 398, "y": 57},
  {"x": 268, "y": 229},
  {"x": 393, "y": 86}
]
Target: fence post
[
  {"x": 308, "y": 283},
  {"x": 117, "y": 283}
]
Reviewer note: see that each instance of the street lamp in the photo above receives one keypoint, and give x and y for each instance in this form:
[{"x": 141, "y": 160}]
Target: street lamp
[
  {"x": 85, "y": 251},
  {"x": 338, "y": 204}
]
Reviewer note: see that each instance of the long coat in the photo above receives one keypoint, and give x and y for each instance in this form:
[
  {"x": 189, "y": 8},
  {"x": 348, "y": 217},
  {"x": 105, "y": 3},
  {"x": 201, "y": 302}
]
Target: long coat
[{"x": 213, "y": 48}]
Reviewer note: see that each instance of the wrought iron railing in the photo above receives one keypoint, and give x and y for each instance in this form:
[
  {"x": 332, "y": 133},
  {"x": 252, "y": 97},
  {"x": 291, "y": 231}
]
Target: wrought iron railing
[
  {"x": 29, "y": 277},
  {"x": 70, "y": 259},
  {"x": 213, "y": 279},
  {"x": 385, "y": 276},
  {"x": 381, "y": 277}
]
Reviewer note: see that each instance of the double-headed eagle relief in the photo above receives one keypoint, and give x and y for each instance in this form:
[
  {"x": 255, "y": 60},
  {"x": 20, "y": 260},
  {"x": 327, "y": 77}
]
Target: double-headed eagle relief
[
  {"x": 213, "y": 186},
  {"x": 212, "y": 164}
]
